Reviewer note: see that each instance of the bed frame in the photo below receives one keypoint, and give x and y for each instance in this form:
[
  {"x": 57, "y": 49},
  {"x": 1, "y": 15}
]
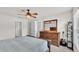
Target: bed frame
[{"x": 49, "y": 45}]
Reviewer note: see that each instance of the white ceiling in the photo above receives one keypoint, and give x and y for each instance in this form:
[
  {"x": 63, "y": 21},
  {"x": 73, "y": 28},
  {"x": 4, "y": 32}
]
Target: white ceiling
[{"x": 42, "y": 11}]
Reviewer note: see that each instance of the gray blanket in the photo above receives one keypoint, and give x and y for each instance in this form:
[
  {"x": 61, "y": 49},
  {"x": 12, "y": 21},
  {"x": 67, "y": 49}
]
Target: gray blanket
[{"x": 23, "y": 44}]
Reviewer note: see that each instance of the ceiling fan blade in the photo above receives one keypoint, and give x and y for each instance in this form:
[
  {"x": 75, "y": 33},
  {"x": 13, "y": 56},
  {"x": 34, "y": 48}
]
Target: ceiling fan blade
[
  {"x": 23, "y": 10},
  {"x": 21, "y": 14},
  {"x": 35, "y": 14}
]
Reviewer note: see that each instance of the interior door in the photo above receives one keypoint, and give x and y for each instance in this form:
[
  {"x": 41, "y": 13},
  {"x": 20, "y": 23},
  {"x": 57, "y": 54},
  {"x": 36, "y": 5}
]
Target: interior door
[{"x": 18, "y": 29}]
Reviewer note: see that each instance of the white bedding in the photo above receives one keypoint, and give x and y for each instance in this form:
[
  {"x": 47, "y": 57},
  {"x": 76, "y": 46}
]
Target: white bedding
[{"x": 23, "y": 44}]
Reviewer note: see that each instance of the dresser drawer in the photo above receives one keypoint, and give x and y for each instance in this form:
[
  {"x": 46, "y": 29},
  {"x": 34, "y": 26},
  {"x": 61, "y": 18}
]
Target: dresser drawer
[
  {"x": 55, "y": 42},
  {"x": 54, "y": 37}
]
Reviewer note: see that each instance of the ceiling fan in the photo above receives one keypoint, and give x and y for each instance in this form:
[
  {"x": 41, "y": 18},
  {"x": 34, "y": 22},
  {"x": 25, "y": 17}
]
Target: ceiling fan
[{"x": 28, "y": 14}]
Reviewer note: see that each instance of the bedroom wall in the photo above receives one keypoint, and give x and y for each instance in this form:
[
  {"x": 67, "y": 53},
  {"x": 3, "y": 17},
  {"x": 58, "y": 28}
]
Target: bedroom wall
[
  {"x": 7, "y": 22},
  {"x": 63, "y": 18},
  {"x": 76, "y": 28},
  {"x": 7, "y": 26}
]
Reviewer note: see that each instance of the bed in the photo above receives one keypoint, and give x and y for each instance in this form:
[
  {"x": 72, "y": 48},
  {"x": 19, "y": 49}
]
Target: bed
[{"x": 24, "y": 44}]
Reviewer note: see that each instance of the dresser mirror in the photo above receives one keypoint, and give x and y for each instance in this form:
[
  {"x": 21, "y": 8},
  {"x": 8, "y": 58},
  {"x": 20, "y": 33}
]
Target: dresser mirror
[{"x": 50, "y": 25}]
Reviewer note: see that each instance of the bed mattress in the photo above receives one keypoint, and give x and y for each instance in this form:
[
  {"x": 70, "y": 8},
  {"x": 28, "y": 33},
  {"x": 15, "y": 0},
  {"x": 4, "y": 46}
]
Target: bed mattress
[{"x": 23, "y": 44}]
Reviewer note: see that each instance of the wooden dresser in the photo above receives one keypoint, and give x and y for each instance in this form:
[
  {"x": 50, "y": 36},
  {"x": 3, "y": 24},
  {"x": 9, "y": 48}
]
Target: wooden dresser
[
  {"x": 49, "y": 35},
  {"x": 50, "y": 32}
]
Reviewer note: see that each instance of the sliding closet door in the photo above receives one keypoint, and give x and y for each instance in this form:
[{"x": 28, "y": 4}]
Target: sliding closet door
[{"x": 18, "y": 29}]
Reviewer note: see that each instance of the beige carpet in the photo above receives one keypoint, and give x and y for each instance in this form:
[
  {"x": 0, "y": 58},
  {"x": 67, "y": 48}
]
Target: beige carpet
[{"x": 60, "y": 49}]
